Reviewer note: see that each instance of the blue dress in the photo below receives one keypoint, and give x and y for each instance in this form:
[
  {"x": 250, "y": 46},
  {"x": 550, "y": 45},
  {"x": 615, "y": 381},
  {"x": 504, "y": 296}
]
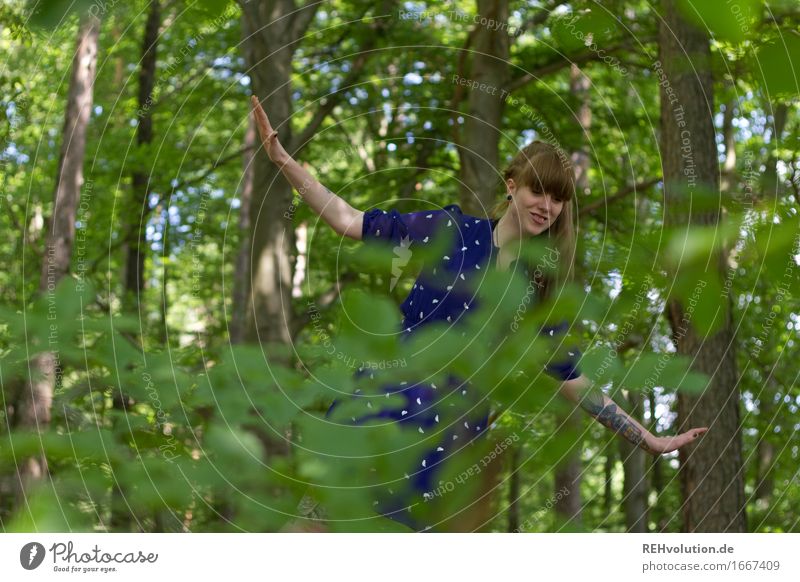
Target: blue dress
[{"x": 437, "y": 296}]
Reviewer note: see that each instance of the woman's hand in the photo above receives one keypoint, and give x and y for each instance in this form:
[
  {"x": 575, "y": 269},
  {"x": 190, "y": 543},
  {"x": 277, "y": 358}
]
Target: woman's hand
[
  {"x": 269, "y": 136},
  {"x": 661, "y": 445}
]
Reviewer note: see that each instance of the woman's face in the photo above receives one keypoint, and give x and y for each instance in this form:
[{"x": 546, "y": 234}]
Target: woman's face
[{"x": 536, "y": 211}]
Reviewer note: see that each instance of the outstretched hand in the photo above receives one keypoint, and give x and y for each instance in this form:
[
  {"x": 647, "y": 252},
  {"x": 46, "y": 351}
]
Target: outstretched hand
[
  {"x": 668, "y": 444},
  {"x": 269, "y": 136}
]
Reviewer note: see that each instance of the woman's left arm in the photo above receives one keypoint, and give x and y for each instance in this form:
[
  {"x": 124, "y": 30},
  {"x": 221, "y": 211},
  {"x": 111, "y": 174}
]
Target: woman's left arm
[{"x": 594, "y": 401}]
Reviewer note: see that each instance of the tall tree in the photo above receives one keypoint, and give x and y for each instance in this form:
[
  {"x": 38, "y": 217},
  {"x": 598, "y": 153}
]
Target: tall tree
[
  {"x": 569, "y": 473},
  {"x": 764, "y": 486},
  {"x": 136, "y": 244},
  {"x": 134, "y": 267},
  {"x": 711, "y": 470},
  {"x": 634, "y": 489},
  {"x": 242, "y": 269},
  {"x": 771, "y": 184},
  {"x": 514, "y": 476},
  {"x": 271, "y": 30},
  {"x": 656, "y": 465},
  {"x": 37, "y": 397},
  {"x": 608, "y": 480},
  {"x": 635, "y": 485},
  {"x": 478, "y": 142}
]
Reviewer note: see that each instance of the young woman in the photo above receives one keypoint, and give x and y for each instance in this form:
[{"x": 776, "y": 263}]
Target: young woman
[{"x": 539, "y": 202}]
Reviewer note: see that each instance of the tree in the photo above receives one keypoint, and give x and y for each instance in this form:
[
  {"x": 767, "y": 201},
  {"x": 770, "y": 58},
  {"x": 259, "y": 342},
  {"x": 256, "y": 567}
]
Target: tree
[
  {"x": 37, "y": 396},
  {"x": 137, "y": 244},
  {"x": 480, "y": 139},
  {"x": 711, "y": 470}
]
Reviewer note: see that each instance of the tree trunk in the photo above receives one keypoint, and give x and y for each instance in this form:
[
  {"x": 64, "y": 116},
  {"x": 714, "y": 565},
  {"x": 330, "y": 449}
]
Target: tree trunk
[
  {"x": 37, "y": 397},
  {"x": 579, "y": 85},
  {"x": 608, "y": 473},
  {"x": 765, "y": 456},
  {"x": 137, "y": 245},
  {"x": 135, "y": 250},
  {"x": 270, "y": 30},
  {"x": 165, "y": 252},
  {"x": 658, "y": 473},
  {"x": 711, "y": 470},
  {"x": 634, "y": 490},
  {"x": 268, "y": 51},
  {"x": 634, "y": 459},
  {"x": 765, "y": 450},
  {"x": 568, "y": 474},
  {"x": 728, "y": 179},
  {"x": 513, "y": 489},
  {"x": 478, "y": 144},
  {"x": 771, "y": 184},
  {"x": 242, "y": 272},
  {"x": 660, "y": 516}
]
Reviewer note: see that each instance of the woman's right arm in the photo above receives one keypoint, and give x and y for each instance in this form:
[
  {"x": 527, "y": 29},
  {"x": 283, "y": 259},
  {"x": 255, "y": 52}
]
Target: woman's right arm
[
  {"x": 335, "y": 211},
  {"x": 594, "y": 401},
  {"x": 341, "y": 217}
]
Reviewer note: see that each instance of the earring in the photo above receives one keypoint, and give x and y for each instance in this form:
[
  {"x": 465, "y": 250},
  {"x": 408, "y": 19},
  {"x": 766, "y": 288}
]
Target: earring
[{"x": 508, "y": 197}]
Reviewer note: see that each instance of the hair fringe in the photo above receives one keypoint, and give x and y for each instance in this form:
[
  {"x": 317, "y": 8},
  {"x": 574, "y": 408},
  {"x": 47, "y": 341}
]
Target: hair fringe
[{"x": 545, "y": 167}]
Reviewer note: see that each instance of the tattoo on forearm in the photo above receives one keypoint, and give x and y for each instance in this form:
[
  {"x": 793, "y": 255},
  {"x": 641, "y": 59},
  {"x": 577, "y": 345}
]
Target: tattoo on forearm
[{"x": 609, "y": 416}]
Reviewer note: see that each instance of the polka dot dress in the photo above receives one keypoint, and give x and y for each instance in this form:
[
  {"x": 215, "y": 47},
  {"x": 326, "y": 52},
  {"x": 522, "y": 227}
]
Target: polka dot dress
[{"x": 440, "y": 293}]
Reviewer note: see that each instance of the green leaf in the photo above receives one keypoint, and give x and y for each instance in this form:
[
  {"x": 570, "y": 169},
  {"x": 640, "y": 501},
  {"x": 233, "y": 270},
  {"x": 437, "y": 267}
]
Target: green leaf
[
  {"x": 700, "y": 294},
  {"x": 776, "y": 66},
  {"x": 731, "y": 21},
  {"x": 668, "y": 370},
  {"x": 52, "y": 13},
  {"x": 595, "y": 26}
]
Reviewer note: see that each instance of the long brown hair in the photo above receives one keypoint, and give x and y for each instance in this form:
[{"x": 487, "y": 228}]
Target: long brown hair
[{"x": 544, "y": 167}]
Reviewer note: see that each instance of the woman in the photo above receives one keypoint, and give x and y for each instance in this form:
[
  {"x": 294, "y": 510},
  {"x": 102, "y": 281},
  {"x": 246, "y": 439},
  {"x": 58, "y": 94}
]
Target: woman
[{"x": 540, "y": 192}]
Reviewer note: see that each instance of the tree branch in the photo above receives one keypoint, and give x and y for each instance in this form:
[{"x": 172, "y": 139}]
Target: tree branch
[
  {"x": 230, "y": 157},
  {"x": 162, "y": 198},
  {"x": 458, "y": 94},
  {"x": 330, "y": 101},
  {"x": 590, "y": 208},
  {"x": 539, "y": 17},
  {"x": 563, "y": 61},
  {"x": 302, "y": 19}
]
